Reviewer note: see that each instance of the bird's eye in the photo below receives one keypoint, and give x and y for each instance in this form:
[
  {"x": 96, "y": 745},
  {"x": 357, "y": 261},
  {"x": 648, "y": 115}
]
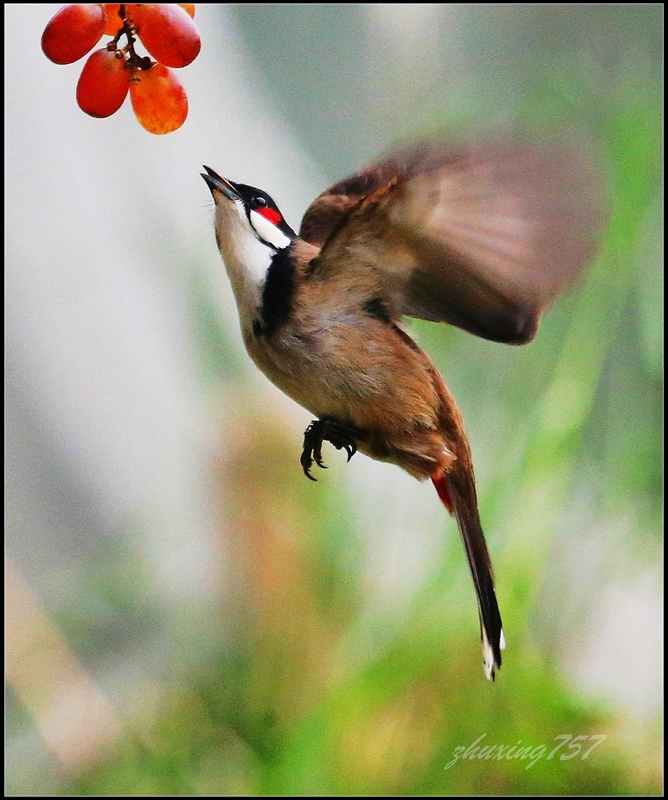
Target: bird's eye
[{"x": 259, "y": 201}]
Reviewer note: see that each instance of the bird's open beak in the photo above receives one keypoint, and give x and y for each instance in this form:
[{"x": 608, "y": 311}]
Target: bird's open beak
[{"x": 216, "y": 183}]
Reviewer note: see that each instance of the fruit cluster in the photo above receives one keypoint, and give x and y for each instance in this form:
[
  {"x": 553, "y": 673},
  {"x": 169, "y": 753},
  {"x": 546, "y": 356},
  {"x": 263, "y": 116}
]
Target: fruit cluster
[{"x": 167, "y": 32}]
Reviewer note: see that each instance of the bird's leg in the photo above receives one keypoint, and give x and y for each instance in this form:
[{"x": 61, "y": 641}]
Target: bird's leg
[{"x": 327, "y": 430}]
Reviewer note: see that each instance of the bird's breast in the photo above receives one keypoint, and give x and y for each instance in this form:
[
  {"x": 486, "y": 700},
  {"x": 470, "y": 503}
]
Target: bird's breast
[{"x": 366, "y": 374}]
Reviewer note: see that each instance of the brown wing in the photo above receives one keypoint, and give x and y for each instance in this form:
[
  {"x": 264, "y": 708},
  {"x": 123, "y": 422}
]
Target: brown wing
[{"x": 483, "y": 237}]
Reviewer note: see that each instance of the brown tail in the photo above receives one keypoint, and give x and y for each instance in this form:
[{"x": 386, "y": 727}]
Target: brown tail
[{"x": 457, "y": 492}]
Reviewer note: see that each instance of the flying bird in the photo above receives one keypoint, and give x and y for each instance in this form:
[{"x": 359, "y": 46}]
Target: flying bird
[{"x": 483, "y": 237}]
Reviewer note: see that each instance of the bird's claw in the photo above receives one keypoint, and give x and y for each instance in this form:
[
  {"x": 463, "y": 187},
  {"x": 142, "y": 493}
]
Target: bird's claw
[
  {"x": 327, "y": 430},
  {"x": 350, "y": 448}
]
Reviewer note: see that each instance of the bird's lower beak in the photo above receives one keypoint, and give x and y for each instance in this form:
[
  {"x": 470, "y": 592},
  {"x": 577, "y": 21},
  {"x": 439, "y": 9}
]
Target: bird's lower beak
[{"x": 216, "y": 183}]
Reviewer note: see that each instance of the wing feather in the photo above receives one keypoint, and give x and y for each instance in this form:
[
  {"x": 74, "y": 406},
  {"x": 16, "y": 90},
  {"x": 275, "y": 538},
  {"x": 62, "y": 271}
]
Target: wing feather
[{"x": 484, "y": 237}]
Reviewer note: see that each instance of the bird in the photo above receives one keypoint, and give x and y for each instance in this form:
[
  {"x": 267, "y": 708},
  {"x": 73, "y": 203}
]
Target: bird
[{"x": 482, "y": 235}]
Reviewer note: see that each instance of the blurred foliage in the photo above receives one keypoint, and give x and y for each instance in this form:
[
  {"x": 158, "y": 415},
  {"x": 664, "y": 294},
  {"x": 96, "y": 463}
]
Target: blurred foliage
[
  {"x": 285, "y": 708},
  {"x": 305, "y": 694}
]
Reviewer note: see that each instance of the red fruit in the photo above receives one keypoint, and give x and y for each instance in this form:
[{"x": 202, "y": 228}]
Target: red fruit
[
  {"x": 114, "y": 22},
  {"x": 167, "y": 32},
  {"x": 73, "y": 31},
  {"x": 158, "y": 100},
  {"x": 103, "y": 84}
]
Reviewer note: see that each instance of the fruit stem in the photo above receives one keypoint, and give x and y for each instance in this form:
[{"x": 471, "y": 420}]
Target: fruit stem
[{"x": 127, "y": 29}]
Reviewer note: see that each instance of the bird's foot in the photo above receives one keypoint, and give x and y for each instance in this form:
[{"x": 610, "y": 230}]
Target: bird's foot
[{"x": 327, "y": 430}]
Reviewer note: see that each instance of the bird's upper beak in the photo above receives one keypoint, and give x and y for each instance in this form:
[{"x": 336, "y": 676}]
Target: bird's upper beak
[{"x": 216, "y": 183}]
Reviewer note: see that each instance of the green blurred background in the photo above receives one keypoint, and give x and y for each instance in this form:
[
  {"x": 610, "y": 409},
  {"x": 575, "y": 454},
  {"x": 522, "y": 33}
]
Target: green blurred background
[{"x": 186, "y": 613}]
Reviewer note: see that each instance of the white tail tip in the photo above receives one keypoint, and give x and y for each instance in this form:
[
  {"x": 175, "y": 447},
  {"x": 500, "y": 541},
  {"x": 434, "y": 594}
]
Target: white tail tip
[{"x": 489, "y": 664}]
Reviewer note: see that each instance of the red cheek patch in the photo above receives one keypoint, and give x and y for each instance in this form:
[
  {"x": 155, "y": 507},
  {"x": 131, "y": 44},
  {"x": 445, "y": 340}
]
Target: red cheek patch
[{"x": 270, "y": 214}]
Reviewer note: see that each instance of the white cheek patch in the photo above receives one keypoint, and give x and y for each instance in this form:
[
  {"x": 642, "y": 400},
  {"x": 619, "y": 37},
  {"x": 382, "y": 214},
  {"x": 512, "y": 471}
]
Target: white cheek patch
[
  {"x": 247, "y": 259},
  {"x": 256, "y": 258},
  {"x": 268, "y": 232}
]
